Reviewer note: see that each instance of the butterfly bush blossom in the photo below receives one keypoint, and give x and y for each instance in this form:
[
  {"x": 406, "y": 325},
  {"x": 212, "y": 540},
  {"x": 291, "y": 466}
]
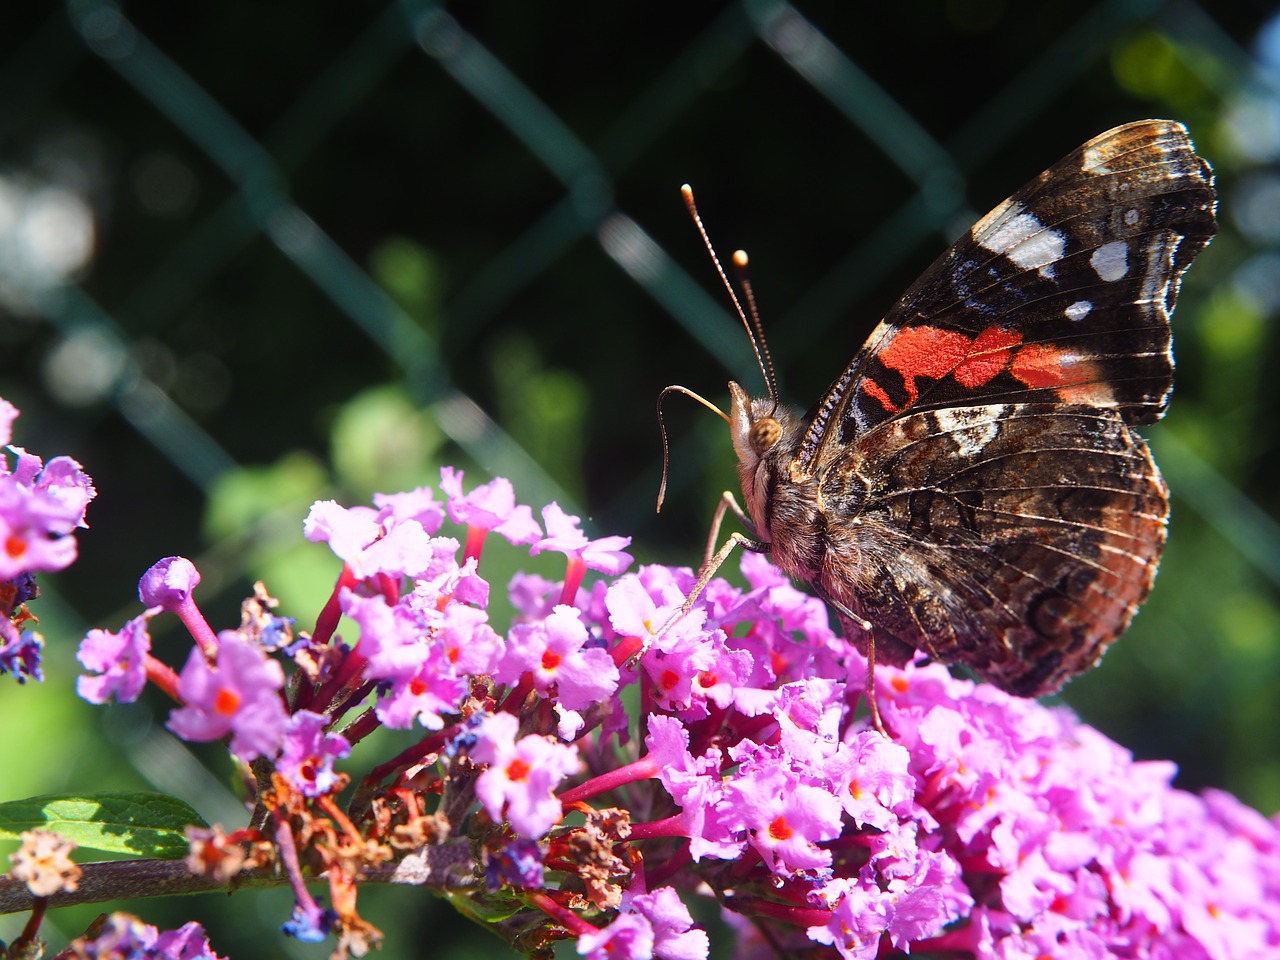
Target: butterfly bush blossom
[
  {"x": 41, "y": 506},
  {"x": 743, "y": 768}
]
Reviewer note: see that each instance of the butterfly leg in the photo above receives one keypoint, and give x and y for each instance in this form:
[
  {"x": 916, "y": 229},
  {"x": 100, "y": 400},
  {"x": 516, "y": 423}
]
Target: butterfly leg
[
  {"x": 728, "y": 502},
  {"x": 850, "y": 619},
  {"x": 871, "y": 687},
  {"x": 714, "y": 559}
]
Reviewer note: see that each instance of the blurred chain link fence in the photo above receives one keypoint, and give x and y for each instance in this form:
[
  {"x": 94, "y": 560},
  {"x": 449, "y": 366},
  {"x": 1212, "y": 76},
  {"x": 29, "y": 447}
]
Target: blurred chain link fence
[{"x": 217, "y": 227}]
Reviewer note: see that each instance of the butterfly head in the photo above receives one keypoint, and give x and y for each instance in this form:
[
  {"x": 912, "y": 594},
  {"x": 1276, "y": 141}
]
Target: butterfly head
[{"x": 763, "y": 435}]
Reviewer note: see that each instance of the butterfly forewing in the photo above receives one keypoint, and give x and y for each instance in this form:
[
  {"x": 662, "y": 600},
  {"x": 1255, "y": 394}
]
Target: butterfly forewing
[
  {"x": 1063, "y": 290},
  {"x": 970, "y": 486}
]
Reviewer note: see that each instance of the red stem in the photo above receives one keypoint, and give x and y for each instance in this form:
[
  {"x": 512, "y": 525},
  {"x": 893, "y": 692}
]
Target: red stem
[
  {"x": 573, "y": 575},
  {"x": 327, "y": 622},
  {"x": 406, "y": 758},
  {"x": 800, "y": 916},
  {"x": 513, "y": 700},
  {"x": 475, "y": 543},
  {"x": 567, "y": 917},
  {"x": 643, "y": 769},
  {"x": 197, "y": 626},
  {"x": 163, "y": 676},
  {"x": 32, "y": 927},
  {"x": 627, "y": 648},
  {"x": 673, "y": 826}
]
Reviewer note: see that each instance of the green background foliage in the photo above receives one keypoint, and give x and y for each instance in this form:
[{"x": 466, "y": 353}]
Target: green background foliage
[{"x": 335, "y": 248}]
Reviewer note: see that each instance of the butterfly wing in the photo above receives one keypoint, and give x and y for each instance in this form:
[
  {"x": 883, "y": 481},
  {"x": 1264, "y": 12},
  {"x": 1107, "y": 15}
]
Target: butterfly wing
[
  {"x": 1018, "y": 539},
  {"x": 1061, "y": 293},
  {"x": 982, "y": 496}
]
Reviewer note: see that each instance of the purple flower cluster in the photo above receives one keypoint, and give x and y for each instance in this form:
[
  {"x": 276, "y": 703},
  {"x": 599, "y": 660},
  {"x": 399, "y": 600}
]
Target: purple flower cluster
[
  {"x": 41, "y": 506},
  {"x": 983, "y": 826},
  {"x": 122, "y": 935}
]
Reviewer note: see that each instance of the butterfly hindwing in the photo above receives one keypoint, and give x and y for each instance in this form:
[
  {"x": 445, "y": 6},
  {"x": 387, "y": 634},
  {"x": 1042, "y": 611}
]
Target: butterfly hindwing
[{"x": 1018, "y": 539}]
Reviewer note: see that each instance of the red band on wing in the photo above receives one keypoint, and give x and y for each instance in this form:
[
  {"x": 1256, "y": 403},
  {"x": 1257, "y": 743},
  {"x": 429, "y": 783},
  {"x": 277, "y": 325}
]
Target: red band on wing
[
  {"x": 991, "y": 353},
  {"x": 934, "y": 353},
  {"x": 1075, "y": 380},
  {"x": 1038, "y": 365},
  {"x": 875, "y": 390}
]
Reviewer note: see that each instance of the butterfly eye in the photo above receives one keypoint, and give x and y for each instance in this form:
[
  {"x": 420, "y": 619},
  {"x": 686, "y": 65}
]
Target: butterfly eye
[{"x": 764, "y": 434}]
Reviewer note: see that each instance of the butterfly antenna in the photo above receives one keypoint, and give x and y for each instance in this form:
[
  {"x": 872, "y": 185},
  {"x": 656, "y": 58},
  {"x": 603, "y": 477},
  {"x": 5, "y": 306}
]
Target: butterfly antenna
[
  {"x": 762, "y": 353},
  {"x": 766, "y": 367},
  {"x": 662, "y": 426}
]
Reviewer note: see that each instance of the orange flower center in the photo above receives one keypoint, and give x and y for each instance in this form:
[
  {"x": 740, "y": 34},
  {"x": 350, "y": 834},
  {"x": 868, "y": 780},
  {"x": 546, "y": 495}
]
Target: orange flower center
[
  {"x": 227, "y": 702},
  {"x": 780, "y": 829}
]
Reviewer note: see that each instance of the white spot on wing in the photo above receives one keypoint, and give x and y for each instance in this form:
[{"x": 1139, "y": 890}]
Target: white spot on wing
[
  {"x": 1078, "y": 310},
  {"x": 1111, "y": 260},
  {"x": 1159, "y": 276},
  {"x": 1096, "y": 157},
  {"x": 1022, "y": 238},
  {"x": 1132, "y": 216},
  {"x": 971, "y": 428}
]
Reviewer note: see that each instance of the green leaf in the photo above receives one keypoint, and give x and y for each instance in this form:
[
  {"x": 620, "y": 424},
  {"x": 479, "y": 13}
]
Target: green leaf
[{"x": 144, "y": 824}]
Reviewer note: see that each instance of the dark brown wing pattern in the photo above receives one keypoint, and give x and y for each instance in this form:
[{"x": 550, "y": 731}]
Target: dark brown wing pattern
[
  {"x": 1016, "y": 539},
  {"x": 970, "y": 485}
]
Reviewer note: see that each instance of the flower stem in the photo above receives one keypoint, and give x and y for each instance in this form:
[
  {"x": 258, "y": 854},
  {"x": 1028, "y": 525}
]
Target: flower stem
[{"x": 643, "y": 769}]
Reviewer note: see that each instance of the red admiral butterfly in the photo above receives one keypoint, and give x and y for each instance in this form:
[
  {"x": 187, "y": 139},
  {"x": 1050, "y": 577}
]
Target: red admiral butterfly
[{"x": 970, "y": 486}]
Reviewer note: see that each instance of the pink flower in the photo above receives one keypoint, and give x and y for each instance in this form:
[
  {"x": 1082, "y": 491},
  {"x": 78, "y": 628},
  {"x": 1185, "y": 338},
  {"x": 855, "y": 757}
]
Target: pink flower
[
  {"x": 674, "y": 936},
  {"x": 419, "y": 504},
  {"x": 634, "y": 611},
  {"x": 124, "y": 935},
  {"x": 471, "y": 646},
  {"x": 522, "y": 775},
  {"x": 563, "y": 536},
  {"x": 395, "y": 640},
  {"x": 8, "y": 414},
  {"x": 554, "y": 652},
  {"x": 491, "y": 506},
  {"x": 858, "y": 919},
  {"x": 309, "y": 753},
  {"x": 118, "y": 658},
  {"x": 238, "y": 696},
  {"x": 695, "y": 784},
  {"x": 358, "y": 538},
  {"x": 40, "y": 506},
  {"x": 168, "y": 583},
  {"x": 871, "y": 776},
  {"x": 629, "y": 937},
  {"x": 425, "y": 696},
  {"x": 785, "y": 818}
]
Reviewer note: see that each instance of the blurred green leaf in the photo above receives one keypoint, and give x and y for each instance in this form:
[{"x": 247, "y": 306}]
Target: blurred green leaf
[
  {"x": 382, "y": 442},
  {"x": 411, "y": 274},
  {"x": 246, "y": 496},
  {"x": 1152, "y": 65},
  {"x": 144, "y": 824}
]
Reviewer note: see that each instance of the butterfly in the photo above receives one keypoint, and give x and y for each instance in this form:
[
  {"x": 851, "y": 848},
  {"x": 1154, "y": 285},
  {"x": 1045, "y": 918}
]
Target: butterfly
[{"x": 971, "y": 487}]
